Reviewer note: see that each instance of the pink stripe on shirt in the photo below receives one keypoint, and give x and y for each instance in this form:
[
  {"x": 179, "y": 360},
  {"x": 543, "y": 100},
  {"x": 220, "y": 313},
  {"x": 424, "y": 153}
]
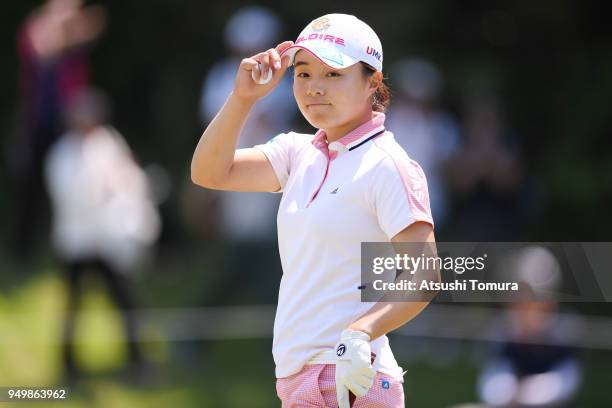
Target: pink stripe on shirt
[{"x": 413, "y": 179}]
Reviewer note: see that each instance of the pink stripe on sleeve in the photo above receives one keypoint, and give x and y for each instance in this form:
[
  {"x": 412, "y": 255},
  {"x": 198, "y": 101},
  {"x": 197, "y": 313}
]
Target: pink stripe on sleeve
[{"x": 413, "y": 178}]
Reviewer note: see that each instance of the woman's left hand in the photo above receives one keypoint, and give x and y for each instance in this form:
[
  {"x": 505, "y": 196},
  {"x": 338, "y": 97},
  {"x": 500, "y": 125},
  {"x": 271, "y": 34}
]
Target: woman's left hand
[{"x": 354, "y": 370}]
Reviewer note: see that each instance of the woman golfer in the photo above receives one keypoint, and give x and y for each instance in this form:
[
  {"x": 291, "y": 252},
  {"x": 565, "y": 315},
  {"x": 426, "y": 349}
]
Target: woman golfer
[{"x": 348, "y": 183}]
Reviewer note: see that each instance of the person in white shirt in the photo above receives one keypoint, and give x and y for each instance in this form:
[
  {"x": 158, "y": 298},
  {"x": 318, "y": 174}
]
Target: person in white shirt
[
  {"x": 246, "y": 220},
  {"x": 104, "y": 218},
  {"x": 348, "y": 183}
]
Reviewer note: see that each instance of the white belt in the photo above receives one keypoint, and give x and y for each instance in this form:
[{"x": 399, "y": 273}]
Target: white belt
[{"x": 324, "y": 357}]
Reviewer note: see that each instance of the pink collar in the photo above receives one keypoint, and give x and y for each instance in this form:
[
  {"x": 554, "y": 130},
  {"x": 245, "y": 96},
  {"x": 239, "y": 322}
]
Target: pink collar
[{"x": 355, "y": 137}]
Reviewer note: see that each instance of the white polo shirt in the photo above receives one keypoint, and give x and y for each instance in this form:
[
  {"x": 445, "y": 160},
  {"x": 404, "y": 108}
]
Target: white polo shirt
[{"x": 361, "y": 188}]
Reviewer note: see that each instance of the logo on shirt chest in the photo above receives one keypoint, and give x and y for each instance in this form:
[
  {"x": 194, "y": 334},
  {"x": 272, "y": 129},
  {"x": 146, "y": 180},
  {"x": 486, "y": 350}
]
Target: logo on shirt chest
[{"x": 334, "y": 191}]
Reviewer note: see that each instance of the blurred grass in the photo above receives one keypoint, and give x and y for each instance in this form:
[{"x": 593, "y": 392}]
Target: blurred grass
[
  {"x": 211, "y": 374},
  {"x": 230, "y": 373}
]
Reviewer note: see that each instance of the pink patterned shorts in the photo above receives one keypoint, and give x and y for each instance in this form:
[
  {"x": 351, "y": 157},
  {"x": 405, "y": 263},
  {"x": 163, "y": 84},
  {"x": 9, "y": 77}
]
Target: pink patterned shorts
[{"x": 315, "y": 386}]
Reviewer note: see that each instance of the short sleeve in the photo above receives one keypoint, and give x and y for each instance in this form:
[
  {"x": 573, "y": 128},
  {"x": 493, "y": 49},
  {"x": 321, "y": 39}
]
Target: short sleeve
[
  {"x": 279, "y": 150},
  {"x": 401, "y": 197}
]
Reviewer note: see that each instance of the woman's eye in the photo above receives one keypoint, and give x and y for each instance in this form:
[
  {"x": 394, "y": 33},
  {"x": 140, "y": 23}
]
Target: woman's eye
[
  {"x": 333, "y": 74},
  {"x": 302, "y": 75}
]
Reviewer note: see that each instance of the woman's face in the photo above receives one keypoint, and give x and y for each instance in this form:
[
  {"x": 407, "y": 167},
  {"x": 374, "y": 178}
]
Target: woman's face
[{"x": 331, "y": 98}]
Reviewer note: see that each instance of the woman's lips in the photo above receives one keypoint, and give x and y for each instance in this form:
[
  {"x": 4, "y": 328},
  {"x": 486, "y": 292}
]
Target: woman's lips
[{"x": 312, "y": 105}]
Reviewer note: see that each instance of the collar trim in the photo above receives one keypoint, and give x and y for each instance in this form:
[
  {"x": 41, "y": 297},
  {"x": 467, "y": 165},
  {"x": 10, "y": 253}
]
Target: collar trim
[{"x": 354, "y": 138}]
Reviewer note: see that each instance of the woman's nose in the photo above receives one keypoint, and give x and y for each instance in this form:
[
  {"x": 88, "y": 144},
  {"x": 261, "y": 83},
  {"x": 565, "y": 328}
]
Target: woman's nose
[{"x": 315, "y": 89}]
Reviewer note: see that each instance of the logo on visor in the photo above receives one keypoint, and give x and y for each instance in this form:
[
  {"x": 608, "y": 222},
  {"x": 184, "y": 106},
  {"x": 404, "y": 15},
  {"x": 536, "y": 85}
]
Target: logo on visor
[
  {"x": 324, "y": 37},
  {"x": 371, "y": 51},
  {"x": 320, "y": 24}
]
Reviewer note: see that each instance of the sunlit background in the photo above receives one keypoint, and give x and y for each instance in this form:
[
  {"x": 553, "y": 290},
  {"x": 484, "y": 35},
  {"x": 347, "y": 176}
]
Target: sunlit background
[{"x": 134, "y": 288}]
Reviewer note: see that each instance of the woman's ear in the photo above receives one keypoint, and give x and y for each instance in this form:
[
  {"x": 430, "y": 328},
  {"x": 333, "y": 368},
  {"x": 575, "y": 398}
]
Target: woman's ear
[{"x": 375, "y": 80}]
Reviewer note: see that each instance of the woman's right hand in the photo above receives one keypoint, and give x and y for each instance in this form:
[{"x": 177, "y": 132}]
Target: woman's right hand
[{"x": 246, "y": 88}]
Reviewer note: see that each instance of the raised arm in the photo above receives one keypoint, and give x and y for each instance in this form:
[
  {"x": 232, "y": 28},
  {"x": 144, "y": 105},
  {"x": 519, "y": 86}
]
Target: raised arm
[{"x": 216, "y": 163}]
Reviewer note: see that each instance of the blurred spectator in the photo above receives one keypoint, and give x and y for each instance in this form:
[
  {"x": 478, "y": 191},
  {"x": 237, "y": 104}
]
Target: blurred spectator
[
  {"x": 104, "y": 220},
  {"x": 247, "y": 221},
  {"x": 485, "y": 174},
  {"x": 52, "y": 45},
  {"x": 535, "y": 364},
  {"x": 427, "y": 133}
]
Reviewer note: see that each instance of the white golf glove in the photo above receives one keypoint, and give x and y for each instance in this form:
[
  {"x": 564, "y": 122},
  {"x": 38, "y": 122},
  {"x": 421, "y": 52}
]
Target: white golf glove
[{"x": 354, "y": 371}]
